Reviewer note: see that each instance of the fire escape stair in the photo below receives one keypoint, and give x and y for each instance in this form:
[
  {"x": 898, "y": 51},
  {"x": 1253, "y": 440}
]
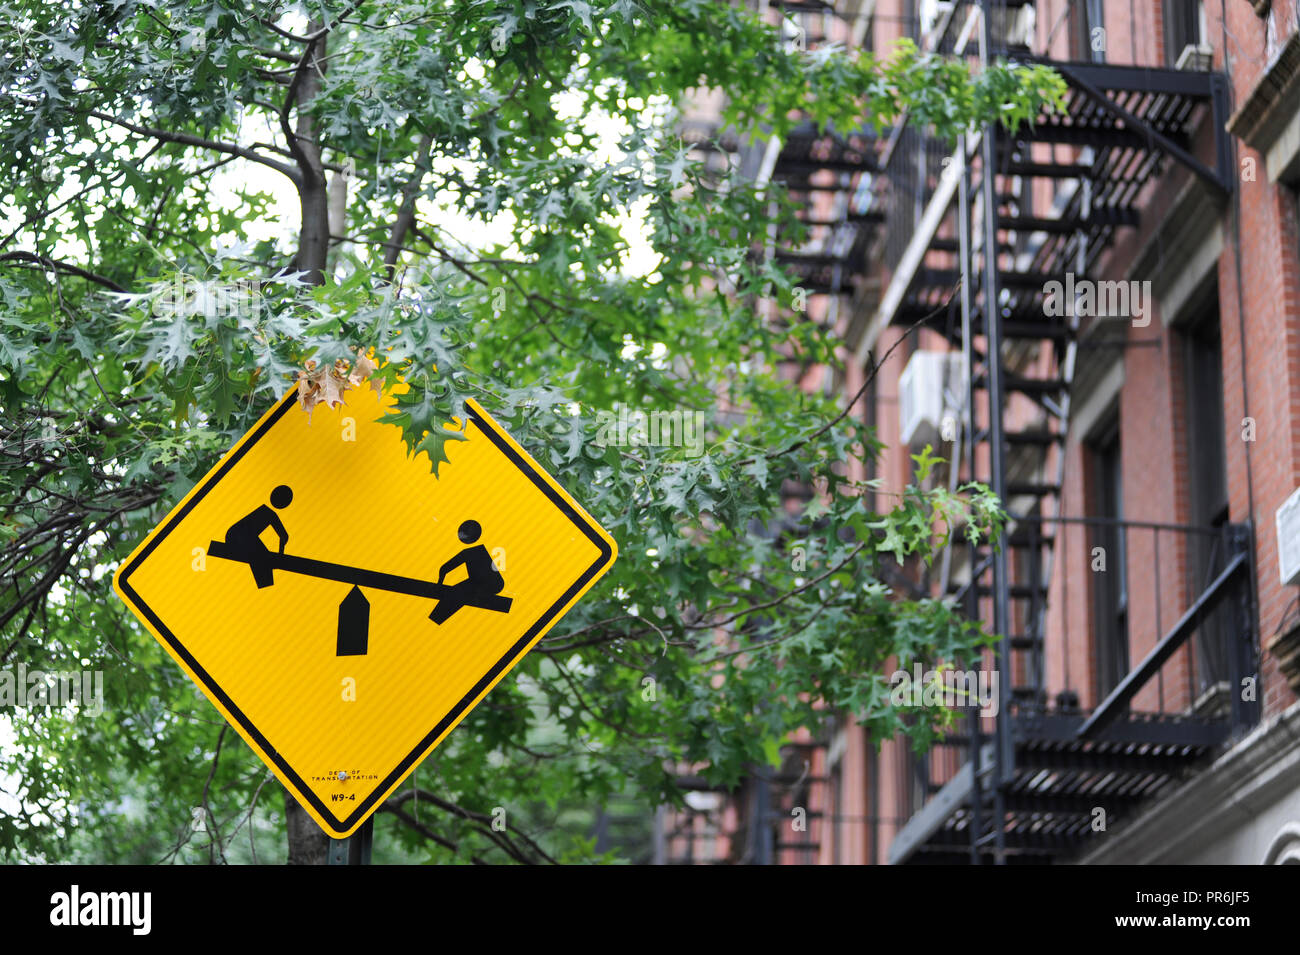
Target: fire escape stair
[{"x": 1130, "y": 126}]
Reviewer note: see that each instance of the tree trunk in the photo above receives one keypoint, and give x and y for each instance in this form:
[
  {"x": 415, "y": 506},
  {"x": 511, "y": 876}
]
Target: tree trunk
[
  {"x": 314, "y": 239},
  {"x": 313, "y": 192},
  {"x": 308, "y": 843},
  {"x": 338, "y": 207}
]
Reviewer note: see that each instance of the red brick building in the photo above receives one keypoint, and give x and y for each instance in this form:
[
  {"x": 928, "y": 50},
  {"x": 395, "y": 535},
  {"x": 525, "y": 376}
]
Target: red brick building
[{"x": 1142, "y": 425}]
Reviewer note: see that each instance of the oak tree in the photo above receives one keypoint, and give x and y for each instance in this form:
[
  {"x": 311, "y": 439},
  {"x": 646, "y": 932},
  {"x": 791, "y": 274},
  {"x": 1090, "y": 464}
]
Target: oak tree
[{"x": 488, "y": 199}]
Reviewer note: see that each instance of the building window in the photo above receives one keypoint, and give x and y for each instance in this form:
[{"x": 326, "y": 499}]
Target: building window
[
  {"x": 1088, "y": 27},
  {"x": 1184, "y": 27},
  {"x": 1207, "y": 472},
  {"x": 912, "y": 19},
  {"x": 1109, "y": 585},
  {"x": 835, "y": 813},
  {"x": 873, "y": 805}
]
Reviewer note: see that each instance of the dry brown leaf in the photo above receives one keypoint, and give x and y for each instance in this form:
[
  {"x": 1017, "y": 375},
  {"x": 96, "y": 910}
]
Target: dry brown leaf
[
  {"x": 309, "y": 388},
  {"x": 308, "y": 394},
  {"x": 363, "y": 371},
  {"x": 328, "y": 384},
  {"x": 332, "y": 388}
]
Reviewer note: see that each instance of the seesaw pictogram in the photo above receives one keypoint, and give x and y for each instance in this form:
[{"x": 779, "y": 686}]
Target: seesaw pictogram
[{"x": 481, "y": 588}]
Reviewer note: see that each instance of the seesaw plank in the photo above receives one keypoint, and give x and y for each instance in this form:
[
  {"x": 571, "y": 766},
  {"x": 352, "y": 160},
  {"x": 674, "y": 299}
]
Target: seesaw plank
[
  {"x": 359, "y": 577},
  {"x": 340, "y": 572}
]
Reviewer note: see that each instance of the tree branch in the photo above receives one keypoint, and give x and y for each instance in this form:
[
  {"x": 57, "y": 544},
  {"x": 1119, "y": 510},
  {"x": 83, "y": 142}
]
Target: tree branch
[
  {"x": 482, "y": 821},
  {"x": 871, "y": 376},
  {"x": 290, "y": 101},
  {"x": 311, "y": 37},
  {"x": 187, "y": 139},
  {"x": 207, "y": 787},
  {"x": 406, "y": 214},
  {"x": 67, "y": 268},
  {"x": 422, "y": 829}
]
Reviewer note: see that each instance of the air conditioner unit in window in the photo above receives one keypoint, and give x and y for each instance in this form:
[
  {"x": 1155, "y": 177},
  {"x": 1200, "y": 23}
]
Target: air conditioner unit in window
[
  {"x": 1288, "y": 539},
  {"x": 1198, "y": 58},
  {"x": 930, "y": 390}
]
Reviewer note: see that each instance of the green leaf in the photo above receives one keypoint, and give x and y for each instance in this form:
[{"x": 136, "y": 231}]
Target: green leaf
[{"x": 434, "y": 444}]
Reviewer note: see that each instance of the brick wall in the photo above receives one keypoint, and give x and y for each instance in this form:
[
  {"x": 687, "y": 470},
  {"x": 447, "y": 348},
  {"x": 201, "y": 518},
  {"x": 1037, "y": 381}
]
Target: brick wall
[
  {"x": 1261, "y": 377},
  {"x": 1265, "y": 306}
]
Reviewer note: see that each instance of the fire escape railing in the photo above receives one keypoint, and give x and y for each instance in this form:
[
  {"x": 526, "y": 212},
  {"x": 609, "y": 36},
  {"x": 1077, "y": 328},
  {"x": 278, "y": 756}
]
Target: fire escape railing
[
  {"x": 1173, "y": 708},
  {"x": 1229, "y": 588}
]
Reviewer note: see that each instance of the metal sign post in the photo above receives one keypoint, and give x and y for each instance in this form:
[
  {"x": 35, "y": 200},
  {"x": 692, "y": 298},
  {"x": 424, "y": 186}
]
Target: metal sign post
[{"x": 355, "y": 849}]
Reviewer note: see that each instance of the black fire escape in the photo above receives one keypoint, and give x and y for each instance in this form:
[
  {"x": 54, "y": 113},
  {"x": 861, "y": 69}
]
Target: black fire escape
[
  {"x": 903, "y": 230},
  {"x": 1025, "y": 785}
]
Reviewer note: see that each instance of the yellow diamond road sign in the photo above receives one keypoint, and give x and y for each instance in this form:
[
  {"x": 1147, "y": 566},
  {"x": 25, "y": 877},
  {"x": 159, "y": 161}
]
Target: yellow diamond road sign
[{"x": 345, "y": 609}]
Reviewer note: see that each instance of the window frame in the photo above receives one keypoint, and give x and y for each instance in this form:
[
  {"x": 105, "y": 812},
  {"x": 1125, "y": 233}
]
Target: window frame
[{"x": 1111, "y": 643}]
